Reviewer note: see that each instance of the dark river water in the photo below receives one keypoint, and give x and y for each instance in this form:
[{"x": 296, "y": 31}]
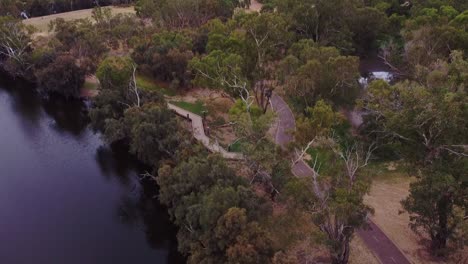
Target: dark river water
[{"x": 67, "y": 198}]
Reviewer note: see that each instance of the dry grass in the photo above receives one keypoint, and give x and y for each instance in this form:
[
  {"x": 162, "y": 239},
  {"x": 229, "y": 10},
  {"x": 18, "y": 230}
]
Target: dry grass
[
  {"x": 255, "y": 6},
  {"x": 360, "y": 254},
  {"x": 385, "y": 197},
  {"x": 42, "y": 23}
]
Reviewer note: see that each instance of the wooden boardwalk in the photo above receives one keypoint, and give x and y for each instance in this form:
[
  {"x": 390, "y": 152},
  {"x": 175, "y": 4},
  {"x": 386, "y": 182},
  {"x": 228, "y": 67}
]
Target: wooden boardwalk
[{"x": 199, "y": 133}]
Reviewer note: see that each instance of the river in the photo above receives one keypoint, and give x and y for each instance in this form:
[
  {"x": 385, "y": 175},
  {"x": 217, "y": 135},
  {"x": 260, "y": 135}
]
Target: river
[{"x": 66, "y": 197}]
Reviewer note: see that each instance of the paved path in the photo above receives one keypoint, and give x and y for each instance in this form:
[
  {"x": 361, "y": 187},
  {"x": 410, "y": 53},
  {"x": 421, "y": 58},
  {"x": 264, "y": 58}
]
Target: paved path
[
  {"x": 381, "y": 245},
  {"x": 374, "y": 238},
  {"x": 199, "y": 133}
]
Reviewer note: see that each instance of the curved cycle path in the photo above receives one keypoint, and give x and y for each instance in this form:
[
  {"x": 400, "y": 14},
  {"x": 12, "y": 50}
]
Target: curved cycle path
[{"x": 374, "y": 238}]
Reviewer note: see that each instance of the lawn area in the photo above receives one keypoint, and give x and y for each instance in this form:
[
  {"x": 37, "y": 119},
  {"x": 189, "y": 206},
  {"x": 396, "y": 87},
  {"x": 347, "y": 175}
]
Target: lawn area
[
  {"x": 148, "y": 84},
  {"x": 198, "y": 107}
]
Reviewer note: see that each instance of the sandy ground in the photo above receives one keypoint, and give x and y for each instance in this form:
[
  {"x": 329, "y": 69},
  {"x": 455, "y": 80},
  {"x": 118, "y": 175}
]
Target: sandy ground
[{"x": 42, "y": 23}]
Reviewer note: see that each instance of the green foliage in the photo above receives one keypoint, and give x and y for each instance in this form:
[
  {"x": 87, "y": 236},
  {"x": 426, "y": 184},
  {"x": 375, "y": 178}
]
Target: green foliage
[
  {"x": 334, "y": 194},
  {"x": 115, "y": 96},
  {"x": 427, "y": 124},
  {"x": 437, "y": 208},
  {"x": 152, "y": 131},
  {"x": 62, "y": 76},
  {"x": 432, "y": 33},
  {"x": 15, "y": 46},
  {"x": 219, "y": 70},
  {"x": 115, "y": 72},
  {"x": 347, "y": 25},
  {"x": 148, "y": 84},
  {"x": 311, "y": 73},
  {"x": 185, "y": 13},
  {"x": 318, "y": 121},
  {"x": 166, "y": 56},
  {"x": 217, "y": 210},
  {"x": 198, "y": 107},
  {"x": 242, "y": 54},
  {"x": 80, "y": 37}
]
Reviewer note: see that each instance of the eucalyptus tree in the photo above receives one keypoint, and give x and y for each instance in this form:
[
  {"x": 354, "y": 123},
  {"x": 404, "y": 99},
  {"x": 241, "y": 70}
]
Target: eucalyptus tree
[
  {"x": 333, "y": 195},
  {"x": 427, "y": 123},
  {"x": 241, "y": 56},
  {"x": 311, "y": 72},
  {"x": 15, "y": 46}
]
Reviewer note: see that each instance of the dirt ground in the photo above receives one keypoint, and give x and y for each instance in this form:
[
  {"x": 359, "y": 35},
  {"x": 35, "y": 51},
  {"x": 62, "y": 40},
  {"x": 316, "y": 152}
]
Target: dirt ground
[
  {"x": 385, "y": 197},
  {"x": 42, "y": 23}
]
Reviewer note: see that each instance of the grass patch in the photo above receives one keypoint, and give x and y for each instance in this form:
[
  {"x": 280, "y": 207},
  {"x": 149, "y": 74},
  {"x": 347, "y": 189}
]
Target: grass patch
[
  {"x": 324, "y": 156},
  {"x": 90, "y": 85},
  {"x": 236, "y": 146},
  {"x": 148, "y": 84},
  {"x": 387, "y": 171},
  {"x": 197, "y": 108}
]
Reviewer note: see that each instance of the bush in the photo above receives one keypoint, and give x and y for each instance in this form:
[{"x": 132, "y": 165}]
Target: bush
[{"x": 62, "y": 76}]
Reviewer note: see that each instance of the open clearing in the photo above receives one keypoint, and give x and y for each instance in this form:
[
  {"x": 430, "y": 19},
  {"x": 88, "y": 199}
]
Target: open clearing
[
  {"x": 385, "y": 197},
  {"x": 42, "y": 23}
]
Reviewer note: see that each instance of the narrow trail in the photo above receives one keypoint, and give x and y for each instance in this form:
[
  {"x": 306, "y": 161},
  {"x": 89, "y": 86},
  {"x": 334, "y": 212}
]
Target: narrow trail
[{"x": 374, "y": 238}]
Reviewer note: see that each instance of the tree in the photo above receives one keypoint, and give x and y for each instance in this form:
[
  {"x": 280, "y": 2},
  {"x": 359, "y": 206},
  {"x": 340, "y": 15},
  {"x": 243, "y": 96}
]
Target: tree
[
  {"x": 151, "y": 131},
  {"x": 267, "y": 35},
  {"x": 186, "y": 13},
  {"x": 428, "y": 127},
  {"x": 334, "y": 194},
  {"x": 194, "y": 175},
  {"x": 62, "y": 76},
  {"x": 438, "y": 205},
  {"x": 311, "y": 72},
  {"x": 432, "y": 34},
  {"x": 166, "y": 55},
  {"x": 119, "y": 91},
  {"x": 318, "y": 121},
  {"x": 241, "y": 57},
  {"x": 347, "y": 25},
  {"x": 15, "y": 46},
  {"x": 82, "y": 39},
  {"x": 221, "y": 69},
  {"x": 246, "y": 242},
  {"x": 214, "y": 211}
]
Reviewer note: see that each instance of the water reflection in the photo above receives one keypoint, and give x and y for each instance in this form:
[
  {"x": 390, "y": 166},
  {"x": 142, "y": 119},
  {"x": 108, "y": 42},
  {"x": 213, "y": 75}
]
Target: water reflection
[
  {"x": 70, "y": 116},
  {"x": 114, "y": 161},
  {"x": 68, "y": 198}
]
